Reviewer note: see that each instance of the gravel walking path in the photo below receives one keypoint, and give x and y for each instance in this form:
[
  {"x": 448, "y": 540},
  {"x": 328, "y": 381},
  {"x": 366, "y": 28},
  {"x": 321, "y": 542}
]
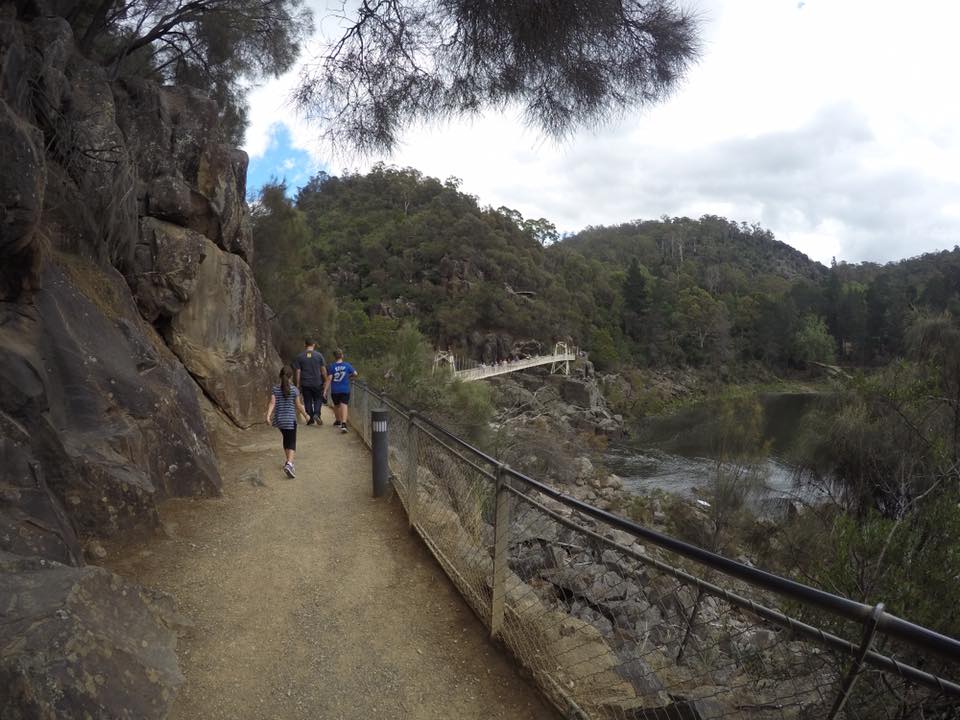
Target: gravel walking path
[{"x": 307, "y": 598}]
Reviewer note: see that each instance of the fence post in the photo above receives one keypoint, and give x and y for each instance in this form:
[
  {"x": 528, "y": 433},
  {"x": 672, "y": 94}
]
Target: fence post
[
  {"x": 381, "y": 449},
  {"x": 413, "y": 465},
  {"x": 368, "y": 408},
  {"x": 501, "y": 536},
  {"x": 869, "y": 631}
]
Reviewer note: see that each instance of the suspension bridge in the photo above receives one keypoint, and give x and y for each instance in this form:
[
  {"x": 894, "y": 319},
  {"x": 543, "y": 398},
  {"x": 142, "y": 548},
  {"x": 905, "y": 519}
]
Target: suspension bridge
[{"x": 468, "y": 370}]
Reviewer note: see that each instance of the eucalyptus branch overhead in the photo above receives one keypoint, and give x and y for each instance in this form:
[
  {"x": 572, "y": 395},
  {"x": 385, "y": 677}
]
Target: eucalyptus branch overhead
[{"x": 565, "y": 64}]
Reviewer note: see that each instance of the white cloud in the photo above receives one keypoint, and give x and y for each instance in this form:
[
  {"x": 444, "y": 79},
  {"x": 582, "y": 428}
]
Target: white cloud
[{"x": 833, "y": 124}]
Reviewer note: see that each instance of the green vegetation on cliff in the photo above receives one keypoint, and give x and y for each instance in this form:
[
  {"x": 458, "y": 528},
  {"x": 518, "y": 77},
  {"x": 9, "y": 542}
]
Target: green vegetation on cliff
[{"x": 215, "y": 46}]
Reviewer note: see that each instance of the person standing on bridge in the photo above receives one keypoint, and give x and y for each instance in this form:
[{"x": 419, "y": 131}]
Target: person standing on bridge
[
  {"x": 310, "y": 375},
  {"x": 285, "y": 405},
  {"x": 339, "y": 375}
]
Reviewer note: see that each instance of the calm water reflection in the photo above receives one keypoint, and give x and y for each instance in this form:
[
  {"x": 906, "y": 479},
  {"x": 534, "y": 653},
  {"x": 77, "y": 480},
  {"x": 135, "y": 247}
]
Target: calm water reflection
[{"x": 673, "y": 453}]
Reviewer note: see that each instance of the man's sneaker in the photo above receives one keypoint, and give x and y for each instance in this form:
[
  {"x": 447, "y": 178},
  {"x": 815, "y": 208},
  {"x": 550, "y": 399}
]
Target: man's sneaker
[
  {"x": 319, "y": 420},
  {"x": 343, "y": 428},
  {"x": 310, "y": 421},
  {"x": 288, "y": 469},
  {"x": 336, "y": 423}
]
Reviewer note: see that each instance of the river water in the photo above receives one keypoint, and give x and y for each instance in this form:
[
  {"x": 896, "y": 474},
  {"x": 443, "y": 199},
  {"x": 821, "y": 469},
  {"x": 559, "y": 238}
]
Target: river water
[{"x": 674, "y": 453}]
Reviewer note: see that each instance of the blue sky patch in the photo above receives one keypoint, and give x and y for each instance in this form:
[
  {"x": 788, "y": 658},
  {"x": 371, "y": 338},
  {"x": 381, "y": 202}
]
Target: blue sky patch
[{"x": 281, "y": 161}]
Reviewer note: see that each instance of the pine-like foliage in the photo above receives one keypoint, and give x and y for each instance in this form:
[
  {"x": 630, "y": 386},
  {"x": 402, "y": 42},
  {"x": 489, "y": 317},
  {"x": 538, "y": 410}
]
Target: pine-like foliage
[{"x": 565, "y": 63}]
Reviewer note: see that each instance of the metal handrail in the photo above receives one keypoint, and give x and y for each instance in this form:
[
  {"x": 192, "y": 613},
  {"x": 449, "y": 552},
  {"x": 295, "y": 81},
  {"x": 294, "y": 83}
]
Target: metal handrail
[
  {"x": 850, "y": 609},
  {"x": 892, "y": 625},
  {"x": 778, "y": 618}
]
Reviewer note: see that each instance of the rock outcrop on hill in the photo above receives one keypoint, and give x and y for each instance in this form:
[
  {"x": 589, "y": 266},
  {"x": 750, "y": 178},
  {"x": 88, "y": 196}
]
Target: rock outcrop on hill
[
  {"x": 127, "y": 310},
  {"x": 568, "y": 403}
]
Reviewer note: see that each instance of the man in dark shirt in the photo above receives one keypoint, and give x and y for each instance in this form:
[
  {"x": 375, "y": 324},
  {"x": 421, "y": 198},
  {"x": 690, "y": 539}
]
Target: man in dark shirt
[{"x": 310, "y": 375}]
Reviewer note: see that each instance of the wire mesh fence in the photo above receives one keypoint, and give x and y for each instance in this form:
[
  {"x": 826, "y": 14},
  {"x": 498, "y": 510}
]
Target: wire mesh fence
[{"x": 614, "y": 622}]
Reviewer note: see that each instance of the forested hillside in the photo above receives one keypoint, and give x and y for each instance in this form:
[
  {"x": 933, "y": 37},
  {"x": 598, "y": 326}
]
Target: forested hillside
[
  {"x": 393, "y": 245},
  {"x": 723, "y": 252},
  {"x": 352, "y": 257}
]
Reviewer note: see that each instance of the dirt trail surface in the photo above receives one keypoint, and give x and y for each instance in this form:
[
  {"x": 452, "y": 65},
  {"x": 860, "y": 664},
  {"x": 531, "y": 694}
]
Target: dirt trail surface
[{"x": 307, "y": 598}]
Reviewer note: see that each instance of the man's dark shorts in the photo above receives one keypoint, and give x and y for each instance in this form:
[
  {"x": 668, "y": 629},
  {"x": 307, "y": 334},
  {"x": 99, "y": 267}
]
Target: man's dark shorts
[
  {"x": 289, "y": 438},
  {"x": 340, "y": 398}
]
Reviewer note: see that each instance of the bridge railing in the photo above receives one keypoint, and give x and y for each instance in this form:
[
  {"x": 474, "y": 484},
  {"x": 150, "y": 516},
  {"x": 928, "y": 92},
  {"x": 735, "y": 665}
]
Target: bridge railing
[
  {"x": 614, "y": 620},
  {"x": 482, "y": 371}
]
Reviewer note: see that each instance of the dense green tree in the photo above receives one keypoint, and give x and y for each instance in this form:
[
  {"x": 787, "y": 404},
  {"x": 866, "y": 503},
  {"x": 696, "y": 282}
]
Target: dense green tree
[
  {"x": 884, "y": 451},
  {"x": 778, "y": 323},
  {"x": 812, "y": 342},
  {"x": 541, "y": 230},
  {"x": 636, "y": 299},
  {"x": 704, "y": 326},
  {"x": 887, "y": 305},
  {"x": 298, "y": 293},
  {"x": 935, "y": 341},
  {"x": 851, "y": 320},
  {"x": 603, "y": 349},
  {"x": 218, "y": 46}
]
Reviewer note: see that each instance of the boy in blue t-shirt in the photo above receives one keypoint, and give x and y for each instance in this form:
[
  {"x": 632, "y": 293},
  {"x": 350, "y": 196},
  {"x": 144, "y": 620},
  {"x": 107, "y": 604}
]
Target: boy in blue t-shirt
[{"x": 339, "y": 374}]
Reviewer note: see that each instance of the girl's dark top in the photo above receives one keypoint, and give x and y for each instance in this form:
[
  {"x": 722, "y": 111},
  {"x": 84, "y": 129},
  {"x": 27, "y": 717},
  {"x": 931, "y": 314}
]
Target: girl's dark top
[{"x": 285, "y": 412}]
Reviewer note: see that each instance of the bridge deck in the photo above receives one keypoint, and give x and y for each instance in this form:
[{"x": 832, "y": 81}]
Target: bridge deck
[
  {"x": 480, "y": 373},
  {"x": 309, "y": 599}
]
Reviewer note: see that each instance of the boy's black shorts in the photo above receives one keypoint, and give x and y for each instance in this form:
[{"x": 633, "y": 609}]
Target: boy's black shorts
[
  {"x": 289, "y": 438},
  {"x": 340, "y": 398}
]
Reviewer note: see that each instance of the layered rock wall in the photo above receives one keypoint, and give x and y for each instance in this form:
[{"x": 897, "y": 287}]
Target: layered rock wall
[{"x": 127, "y": 306}]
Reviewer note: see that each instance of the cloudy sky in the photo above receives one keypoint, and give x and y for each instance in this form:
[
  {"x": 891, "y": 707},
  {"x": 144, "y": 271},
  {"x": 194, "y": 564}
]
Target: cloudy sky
[{"x": 835, "y": 123}]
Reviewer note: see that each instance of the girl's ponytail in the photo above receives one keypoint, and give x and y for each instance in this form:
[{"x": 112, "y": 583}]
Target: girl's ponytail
[{"x": 285, "y": 381}]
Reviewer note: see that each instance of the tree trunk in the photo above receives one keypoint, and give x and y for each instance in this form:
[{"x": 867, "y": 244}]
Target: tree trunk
[{"x": 98, "y": 24}]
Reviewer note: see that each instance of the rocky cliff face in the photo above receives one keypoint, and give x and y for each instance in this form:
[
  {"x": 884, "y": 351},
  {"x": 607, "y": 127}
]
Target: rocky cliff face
[{"x": 127, "y": 305}]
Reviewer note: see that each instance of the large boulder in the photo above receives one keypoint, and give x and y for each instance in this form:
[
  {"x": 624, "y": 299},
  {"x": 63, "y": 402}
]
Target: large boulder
[
  {"x": 99, "y": 419},
  {"x": 82, "y": 643},
  {"x": 582, "y": 467},
  {"x": 33, "y": 520},
  {"x": 221, "y": 179},
  {"x": 14, "y": 61},
  {"x": 187, "y": 175},
  {"x": 96, "y": 159},
  {"x": 166, "y": 261},
  {"x": 52, "y": 51},
  {"x": 22, "y": 183},
  {"x": 581, "y": 393},
  {"x": 222, "y": 336}
]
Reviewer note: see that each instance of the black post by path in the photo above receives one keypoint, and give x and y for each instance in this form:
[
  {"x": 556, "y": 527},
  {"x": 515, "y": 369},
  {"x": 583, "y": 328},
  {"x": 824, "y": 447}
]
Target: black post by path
[{"x": 381, "y": 470}]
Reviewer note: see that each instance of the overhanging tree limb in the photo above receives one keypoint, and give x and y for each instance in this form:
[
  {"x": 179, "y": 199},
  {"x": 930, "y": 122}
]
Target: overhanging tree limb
[{"x": 564, "y": 63}]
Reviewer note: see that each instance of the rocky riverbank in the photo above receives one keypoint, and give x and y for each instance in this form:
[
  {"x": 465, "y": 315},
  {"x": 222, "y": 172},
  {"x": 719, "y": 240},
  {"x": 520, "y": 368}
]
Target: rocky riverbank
[
  {"x": 609, "y": 622},
  {"x": 567, "y": 405}
]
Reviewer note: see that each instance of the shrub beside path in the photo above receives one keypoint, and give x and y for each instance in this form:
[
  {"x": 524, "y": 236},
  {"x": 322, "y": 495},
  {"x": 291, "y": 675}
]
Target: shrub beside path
[{"x": 307, "y": 598}]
